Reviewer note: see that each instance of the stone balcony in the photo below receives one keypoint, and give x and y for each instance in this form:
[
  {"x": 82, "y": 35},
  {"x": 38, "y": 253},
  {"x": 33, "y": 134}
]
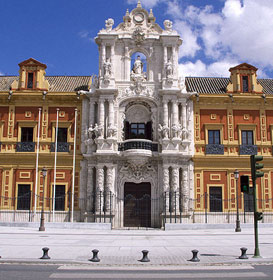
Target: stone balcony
[{"x": 138, "y": 149}]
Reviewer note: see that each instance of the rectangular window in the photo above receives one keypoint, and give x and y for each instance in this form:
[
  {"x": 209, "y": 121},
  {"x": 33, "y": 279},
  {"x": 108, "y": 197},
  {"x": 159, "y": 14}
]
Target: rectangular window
[
  {"x": 245, "y": 84},
  {"x": 30, "y": 80},
  {"x": 60, "y": 198},
  {"x": 248, "y": 202},
  {"x": 23, "y": 197},
  {"x": 215, "y": 199},
  {"x": 26, "y": 134},
  {"x": 247, "y": 137},
  {"x": 214, "y": 136},
  {"x": 62, "y": 134}
]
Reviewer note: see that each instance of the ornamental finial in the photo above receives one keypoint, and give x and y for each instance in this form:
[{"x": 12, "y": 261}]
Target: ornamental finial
[{"x": 139, "y": 4}]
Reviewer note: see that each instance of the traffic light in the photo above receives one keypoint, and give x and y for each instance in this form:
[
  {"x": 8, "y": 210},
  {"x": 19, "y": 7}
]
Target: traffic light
[
  {"x": 244, "y": 182},
  {"x": 256, "y": 166},
  {"x": 259, "y": 216}
]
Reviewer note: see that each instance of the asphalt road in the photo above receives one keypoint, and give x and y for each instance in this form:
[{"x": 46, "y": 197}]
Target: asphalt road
[{"x": 46, "y": 272}]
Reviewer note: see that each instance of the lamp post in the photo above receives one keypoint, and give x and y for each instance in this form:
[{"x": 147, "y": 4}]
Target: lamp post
[
  {"x": 238, "y": 227},
  {"x": 42, "y": 222}
]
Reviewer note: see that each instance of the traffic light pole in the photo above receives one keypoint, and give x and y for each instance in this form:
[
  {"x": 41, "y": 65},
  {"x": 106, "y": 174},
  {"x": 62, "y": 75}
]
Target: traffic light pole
[
  {"x": 257, "y": 250},
  {"x": 257, "y": 215}
]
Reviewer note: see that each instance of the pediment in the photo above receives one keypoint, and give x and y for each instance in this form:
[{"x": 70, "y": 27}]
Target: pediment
[
  {"x": 32, "y": 62},
  {"x": 243, "y": 66}
]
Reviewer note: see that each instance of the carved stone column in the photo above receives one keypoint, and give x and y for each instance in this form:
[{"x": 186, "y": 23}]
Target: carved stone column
[
  {"x": 185, "y": 190},
  {"x": 165, "y": 113},
  {"x": 111, "y": 112},
  {"x": 90, "y": 189},
  {"x": 110, "y": 183},
  {"x": 99, "y": 189},
  {"x": 184, "y": 120},
  {"x": 166, "y": 186},
  {"x": 91, "y": 112},
  {"x": 112, "y": 58},
  {"x": 101, "y": 117},
  {"x": 174, "y": 119},
  {"x": 175, "y": 189}
]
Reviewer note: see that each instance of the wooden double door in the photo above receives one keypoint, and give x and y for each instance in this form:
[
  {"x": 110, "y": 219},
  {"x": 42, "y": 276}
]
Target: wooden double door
[{"x": 137, "y": 205}]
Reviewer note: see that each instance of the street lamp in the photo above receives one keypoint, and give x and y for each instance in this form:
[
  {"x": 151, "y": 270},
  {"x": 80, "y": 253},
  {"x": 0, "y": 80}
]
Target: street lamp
[
  {"x": 42, "y": 222},
  {"x": 238, "y": 227}
]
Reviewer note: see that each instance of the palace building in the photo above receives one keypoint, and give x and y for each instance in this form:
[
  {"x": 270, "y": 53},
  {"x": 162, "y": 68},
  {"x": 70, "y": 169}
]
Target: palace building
[
  {"x": 32, "y": 106},
  {"x": 137, "y": 128},
  {"x": 232, "y": 120},
  {"x": 135, "y": 146}
]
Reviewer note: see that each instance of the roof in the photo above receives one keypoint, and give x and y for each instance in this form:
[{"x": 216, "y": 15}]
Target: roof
[
  {"x": 211, "y": 85},
  {"x": 56, "y": 83}
]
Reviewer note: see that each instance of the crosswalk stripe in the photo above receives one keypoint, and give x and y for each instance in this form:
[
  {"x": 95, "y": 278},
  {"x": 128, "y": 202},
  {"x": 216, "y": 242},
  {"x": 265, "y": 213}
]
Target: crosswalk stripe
[
  {"x": 140, "y": 275},
  {"x": 157, "y": 268}
]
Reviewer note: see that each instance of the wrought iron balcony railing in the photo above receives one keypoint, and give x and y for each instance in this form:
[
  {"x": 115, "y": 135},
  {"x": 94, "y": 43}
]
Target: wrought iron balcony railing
[
  {"x": 248, "y": 150},
  {"x": 138, "y": 144},
  {"x": 214, "y": 149},
  {"x": 25, "y": 147},
  {"x": 61, "y": 147}
]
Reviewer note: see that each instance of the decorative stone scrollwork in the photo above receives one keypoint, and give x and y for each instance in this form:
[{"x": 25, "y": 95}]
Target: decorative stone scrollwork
[
  {"x": 138, "y": 36},
  {"x": 137, "y": 172}
]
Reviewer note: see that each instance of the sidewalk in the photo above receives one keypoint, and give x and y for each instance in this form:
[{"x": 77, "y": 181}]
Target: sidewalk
[{"x": 123, "y": 247}]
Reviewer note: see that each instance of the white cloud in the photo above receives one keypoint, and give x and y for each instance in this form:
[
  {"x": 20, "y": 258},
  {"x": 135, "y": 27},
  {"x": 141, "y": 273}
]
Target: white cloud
[
  {"x": 145, "y": 3},
  {"x": 86, "y": 35},
  {"x": 190, "y": 45},
  {"x": 200, "y": 69},
  {"x": 240, "y": 32}
]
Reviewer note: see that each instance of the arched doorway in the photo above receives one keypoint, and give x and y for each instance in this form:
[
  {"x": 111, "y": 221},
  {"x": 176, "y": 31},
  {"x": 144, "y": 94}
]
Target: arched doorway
[{"x": 137, "y": 204}]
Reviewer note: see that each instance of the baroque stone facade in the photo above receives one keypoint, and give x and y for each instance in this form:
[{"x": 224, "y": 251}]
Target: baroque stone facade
[{"x": 137, "y": 119}]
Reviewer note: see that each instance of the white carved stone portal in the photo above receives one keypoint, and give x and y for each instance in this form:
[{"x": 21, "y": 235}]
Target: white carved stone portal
[{"x": 126, "y": 90}]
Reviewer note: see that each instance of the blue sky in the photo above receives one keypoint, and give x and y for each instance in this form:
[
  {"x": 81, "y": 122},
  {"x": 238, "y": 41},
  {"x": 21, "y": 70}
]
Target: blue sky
[{"x": 217, "y": 34}]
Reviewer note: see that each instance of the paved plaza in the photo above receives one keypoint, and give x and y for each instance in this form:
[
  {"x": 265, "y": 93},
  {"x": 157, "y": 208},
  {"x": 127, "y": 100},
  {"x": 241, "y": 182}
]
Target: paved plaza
[{"x": 123, "y": 247}]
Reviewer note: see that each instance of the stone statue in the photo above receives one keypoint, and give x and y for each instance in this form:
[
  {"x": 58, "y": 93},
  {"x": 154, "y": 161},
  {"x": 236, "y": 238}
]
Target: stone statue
[
  {"x": 96, "y": 130},
  {"x": 169, "y": 69},
  {"x": 109, "y": 24},
  {"x": 112, "y": 131},
  {"x": 164, "y": 131},
  {"x": 168, "y": 25},
  {"x": 107, "y": 68},
  {"x": 177, "y": 131},
  {"x": 138, "y": 66}
]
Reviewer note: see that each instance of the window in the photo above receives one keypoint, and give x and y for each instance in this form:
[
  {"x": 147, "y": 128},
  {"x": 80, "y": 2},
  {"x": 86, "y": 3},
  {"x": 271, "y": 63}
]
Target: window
[
  {"x": 248, "y": 201},
  {"x": 214, "y": 136},
  {"x": 26, "y": 134},
  {"x": 23, "y": 197},
  {"x": 245, "y": 84},
  {"x": 60, "y": 198},
  {"x": 62, "y": 134},
  {"x": 30, "y": 80},
  {"x": 247, "y": 137},
  {"x": 137, "y": 130},
  {"x": 215, "y": 199}
]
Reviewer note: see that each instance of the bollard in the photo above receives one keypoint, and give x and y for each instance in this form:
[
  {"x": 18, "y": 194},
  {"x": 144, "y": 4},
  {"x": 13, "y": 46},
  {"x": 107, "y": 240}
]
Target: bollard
[
  {"x": 45, "y": 254},
  {"x": 145, "y": 256},
  {"x": 243, "y": 255},
  {"x": 95, "y": 256},
  {"x": 194, "y": 256}
]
